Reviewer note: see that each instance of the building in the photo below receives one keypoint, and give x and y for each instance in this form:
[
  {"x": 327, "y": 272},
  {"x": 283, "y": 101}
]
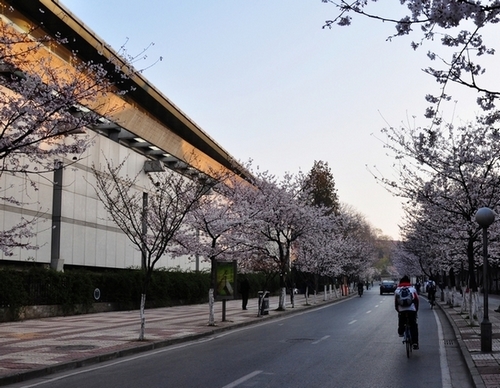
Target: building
[{"x": 143, "y": 126}]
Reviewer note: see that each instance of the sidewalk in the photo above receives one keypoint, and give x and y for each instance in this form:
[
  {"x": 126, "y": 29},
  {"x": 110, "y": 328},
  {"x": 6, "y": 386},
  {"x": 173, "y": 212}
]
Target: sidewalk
[
  {"x": 35, "y": 348},
  {"x": 484, "y": 367}
]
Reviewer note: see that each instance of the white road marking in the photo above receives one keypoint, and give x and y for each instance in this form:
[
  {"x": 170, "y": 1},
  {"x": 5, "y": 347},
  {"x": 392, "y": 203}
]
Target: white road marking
[
  {"x": 350, "y": 323},
  {"x": 242, "y": 380},
  {"x": 118, "y": 362},
  {"x": 321, "y": 339},
  {"x": 369, "y": 311},
  {"x": 170, "y": 348}
]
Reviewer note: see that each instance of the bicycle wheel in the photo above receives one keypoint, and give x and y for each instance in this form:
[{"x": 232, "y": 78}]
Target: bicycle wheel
[{"x": 408, "y": 342}]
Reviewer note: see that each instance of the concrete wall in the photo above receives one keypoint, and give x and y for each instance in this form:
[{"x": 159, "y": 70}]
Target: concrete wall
[{"x": 88, "y": 237}]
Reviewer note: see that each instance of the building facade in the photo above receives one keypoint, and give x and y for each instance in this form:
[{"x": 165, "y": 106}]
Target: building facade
[{"x": 141, "y": 125}]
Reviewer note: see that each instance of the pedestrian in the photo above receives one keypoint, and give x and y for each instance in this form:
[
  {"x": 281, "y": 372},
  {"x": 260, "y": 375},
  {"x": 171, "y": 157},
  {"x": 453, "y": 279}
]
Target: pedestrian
[
  {"x": 360, "y": 288},
  {"x": 245, "y": 291}
]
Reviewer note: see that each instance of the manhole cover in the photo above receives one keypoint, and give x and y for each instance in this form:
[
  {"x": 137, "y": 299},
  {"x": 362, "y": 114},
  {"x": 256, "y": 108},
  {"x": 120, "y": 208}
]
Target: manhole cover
[
  {"x": 75, "y": 347},
  {"x": 449, "y": 342}
]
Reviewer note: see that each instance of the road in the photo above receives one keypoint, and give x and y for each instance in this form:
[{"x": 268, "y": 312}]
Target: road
[{"x": 353, "y": 343}]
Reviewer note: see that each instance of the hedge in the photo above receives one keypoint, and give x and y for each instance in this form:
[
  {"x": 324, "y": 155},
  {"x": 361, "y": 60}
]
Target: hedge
[{"x": 72, "y": 288}]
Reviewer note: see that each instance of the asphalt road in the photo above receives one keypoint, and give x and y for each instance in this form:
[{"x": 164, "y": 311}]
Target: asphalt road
[{"x": 353, "y": 343}]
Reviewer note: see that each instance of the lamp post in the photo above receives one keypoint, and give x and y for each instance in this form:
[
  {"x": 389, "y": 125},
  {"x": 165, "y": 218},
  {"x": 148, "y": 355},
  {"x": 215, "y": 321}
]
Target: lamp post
[{"x": 485, "y": 217}]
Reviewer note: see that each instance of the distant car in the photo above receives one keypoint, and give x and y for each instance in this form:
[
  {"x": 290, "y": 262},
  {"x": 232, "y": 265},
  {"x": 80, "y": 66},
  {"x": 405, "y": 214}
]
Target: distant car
[{"x": 388, "y": 286}]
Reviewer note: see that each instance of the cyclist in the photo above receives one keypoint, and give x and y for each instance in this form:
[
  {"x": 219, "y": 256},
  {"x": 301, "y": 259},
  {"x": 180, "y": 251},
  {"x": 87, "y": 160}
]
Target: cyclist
[
  {"x": 431, "y": 292},
  {"x": 417, "y": 287},
  {"x": 409, "y": 309}
]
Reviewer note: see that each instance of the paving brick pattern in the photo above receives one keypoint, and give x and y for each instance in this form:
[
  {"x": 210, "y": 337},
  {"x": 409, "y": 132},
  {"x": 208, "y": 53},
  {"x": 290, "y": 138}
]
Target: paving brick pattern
[{"x": 484, "y": 367}]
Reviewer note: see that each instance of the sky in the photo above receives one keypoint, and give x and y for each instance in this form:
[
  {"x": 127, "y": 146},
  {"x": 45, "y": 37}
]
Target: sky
[{"x": 268, "y": 83}]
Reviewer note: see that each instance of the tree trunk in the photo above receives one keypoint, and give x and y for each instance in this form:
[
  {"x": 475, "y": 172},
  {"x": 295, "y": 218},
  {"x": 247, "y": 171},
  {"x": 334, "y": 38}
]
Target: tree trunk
[
  {"x": 476, "y": 313},
  {"x": 451, "y": 277},
  {"x": 470, "y": 257},
  {"x": 211, "y": 292},
  {"x": 143, "y": 318},
  {"x": 281, "y": 305},
  {"x": 282, "y": 296},
  {"x": 211, "y": 308}
]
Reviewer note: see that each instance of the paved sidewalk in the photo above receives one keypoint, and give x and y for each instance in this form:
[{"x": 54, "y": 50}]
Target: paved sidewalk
[
  {"x": 484, "y": 367},
  {"x": 38, "y": 347},
  {"x": 34, "y": 348}
]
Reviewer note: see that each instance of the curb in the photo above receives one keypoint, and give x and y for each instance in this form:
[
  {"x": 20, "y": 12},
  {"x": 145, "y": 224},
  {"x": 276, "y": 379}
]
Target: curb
[{"x": 471, "y": 366}]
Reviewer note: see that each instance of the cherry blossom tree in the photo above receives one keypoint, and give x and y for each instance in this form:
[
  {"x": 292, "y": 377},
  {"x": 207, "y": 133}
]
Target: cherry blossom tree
[
  {"x": 445, "y": 175},
  {"x": 150, "y": 218},
  {"x": 468, "y": 28},
  {"x": 343, "y": 245},
  {"x": 319, "y": 253},
  {"x": 357, "y": 240},
  {"x": 424, "y": 249},
  {"x": 214, "y": 228},
  {"x": 416, "y": 256},
  {"x": 278, "y": 218},
  {"x": 439, "y": 248},
  {"x": 46, "y": 106},
  {"x": 314, "y": 253}
]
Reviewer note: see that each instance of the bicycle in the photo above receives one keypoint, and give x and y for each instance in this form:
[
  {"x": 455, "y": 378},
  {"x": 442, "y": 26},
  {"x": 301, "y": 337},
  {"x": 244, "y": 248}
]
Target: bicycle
[
  {"x": 432, "y": 300},
  {"x": 407, "y": 337}
]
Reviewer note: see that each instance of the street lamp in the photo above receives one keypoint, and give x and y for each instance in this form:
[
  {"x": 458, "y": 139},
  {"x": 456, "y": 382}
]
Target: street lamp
[{"x": 485, "y": 217}]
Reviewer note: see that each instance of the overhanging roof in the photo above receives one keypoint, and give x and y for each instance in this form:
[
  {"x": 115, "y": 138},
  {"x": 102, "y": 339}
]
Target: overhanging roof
[{"x": 56, "y": 19}]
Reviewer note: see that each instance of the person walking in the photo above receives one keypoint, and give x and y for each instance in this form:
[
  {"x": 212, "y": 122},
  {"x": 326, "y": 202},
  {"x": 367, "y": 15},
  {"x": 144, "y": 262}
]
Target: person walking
[
  {"x": 360, "y": 288},
  {"x": 245, "y": 291}
]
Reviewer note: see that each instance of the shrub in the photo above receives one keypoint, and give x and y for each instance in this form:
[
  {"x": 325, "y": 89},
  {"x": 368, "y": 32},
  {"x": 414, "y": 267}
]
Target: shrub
[
  {"x": 13, "y": 294},
  {"x": 75, "y": 288}
]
